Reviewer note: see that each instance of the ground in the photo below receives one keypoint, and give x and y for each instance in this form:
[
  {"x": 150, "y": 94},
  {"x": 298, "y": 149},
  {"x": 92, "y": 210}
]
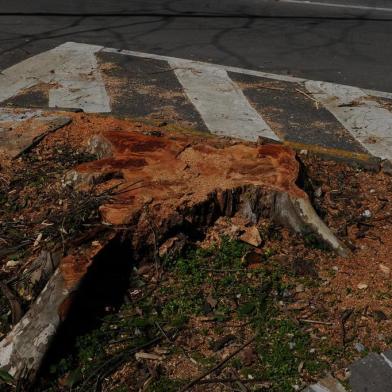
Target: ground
[{"x": 291, "y": 308}]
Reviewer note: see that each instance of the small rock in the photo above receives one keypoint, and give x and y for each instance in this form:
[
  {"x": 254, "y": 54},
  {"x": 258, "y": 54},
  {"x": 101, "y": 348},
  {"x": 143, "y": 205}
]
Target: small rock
[
  {"x": 300, "y": 288},
  {"x": 251, "y": 236},
  {"x": 304, "y": 152},
  {"x": 359, "y": 347},
  {"x": 386, "y": 270},
  {"x": 362, "y": 286},
  {"x": 367, "y": 214}
]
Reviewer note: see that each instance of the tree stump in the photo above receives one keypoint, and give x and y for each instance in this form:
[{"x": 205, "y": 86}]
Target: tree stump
[{"x": 166, "y": 185}]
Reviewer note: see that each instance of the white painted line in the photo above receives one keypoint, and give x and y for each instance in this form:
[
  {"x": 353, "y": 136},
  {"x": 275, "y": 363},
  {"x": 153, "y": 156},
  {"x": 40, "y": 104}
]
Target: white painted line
[
  {"x": 220, "y": 102},
  {"x": 386, "y": 359},
  {"x": 364, "y": 118},
  {"x": 71, "y": 68},
  {"x": 227, "y": 68},
  {"x": 334, "y": 5},
  {"x": 285, "y": 78}
]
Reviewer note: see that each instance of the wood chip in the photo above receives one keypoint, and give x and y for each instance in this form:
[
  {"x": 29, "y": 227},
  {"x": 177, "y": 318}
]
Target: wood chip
[{"x": 142, "y": 355}]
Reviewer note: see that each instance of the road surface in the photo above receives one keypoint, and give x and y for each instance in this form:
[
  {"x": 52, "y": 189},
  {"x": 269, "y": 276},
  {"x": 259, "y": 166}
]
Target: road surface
[{"x": 347, "y": 43}]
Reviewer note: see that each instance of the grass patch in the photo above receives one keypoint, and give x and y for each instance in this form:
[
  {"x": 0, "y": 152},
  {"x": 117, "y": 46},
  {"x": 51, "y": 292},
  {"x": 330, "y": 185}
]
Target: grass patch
[{"x": 205, "y": 284}]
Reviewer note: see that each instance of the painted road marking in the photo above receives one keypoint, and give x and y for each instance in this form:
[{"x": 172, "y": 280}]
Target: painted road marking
[
  {"x": 364, "y": 118},
  {"x": 70, "y": 69},
  {"x": 228, "y": 68},
  {"x": 147, "y": 89},
  {"x": 210, "y": 92},
  {"x": 335, "y": 5},
  {"x": 220, "y": 102}
]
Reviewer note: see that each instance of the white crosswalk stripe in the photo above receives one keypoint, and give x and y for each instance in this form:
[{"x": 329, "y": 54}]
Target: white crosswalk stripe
[
  {"x": 71, "y": 68},
  {"x": 232, "y": 115},
  {"x": 364, "y": 118},
  {"x": 75, "y": 81}
]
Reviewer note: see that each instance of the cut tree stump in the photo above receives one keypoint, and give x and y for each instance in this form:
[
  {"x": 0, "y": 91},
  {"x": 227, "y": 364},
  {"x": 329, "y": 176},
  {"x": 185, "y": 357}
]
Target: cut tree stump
[
  {"x": 165, "y": 185},
  {"x": 174, "y": 183}
]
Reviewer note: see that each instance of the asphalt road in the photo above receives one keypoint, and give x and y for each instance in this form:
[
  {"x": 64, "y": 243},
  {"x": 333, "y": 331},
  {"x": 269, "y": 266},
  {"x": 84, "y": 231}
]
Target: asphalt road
[{"x": 323, "y": 42}]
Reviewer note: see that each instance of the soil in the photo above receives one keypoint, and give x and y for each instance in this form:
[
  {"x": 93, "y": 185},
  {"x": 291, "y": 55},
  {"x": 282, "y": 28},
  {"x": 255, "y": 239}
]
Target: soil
[{"x": 308, "y": 310}]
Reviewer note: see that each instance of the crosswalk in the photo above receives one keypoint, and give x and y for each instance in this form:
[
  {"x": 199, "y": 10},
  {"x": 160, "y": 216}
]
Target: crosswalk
[{"x": 340, "y": 120}]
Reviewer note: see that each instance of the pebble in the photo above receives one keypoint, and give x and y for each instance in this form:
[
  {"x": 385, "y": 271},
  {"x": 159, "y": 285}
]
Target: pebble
[
  {"x": 300, "y": 288},
  {"x": 362, "y": 286},
  {"x": 367, "y": 214},
  {"x": 359, "y": 347}
]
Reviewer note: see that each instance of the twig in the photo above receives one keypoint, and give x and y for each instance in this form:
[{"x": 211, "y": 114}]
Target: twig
[
  {"x": 317, "y": 103},
  {"x": 315, "y": 322},
  {"x": 7, "y": 251},
  {"x": 224, "y": 270},
  {"x": 343, "y": 319},
  {"x": 163, "y": 332},
  {"x": 114, "y": 362},
  {"x": 231, "y": 380},
  {"x": 217, "y": 366}
]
